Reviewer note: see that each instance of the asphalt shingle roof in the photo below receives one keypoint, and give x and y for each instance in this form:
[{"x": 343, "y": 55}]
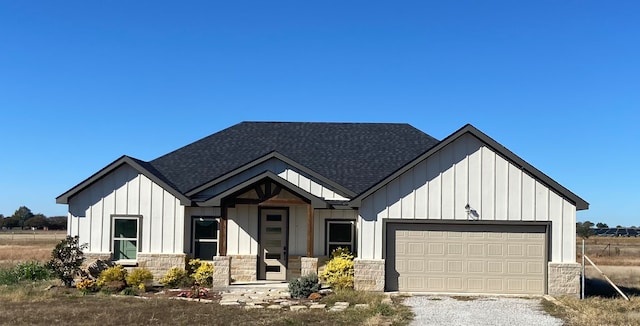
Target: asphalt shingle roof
[{"x": 353, "y": 155}]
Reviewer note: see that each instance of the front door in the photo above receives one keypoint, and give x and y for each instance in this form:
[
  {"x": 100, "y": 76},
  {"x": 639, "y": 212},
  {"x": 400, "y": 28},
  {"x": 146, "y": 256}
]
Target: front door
[{"x": 273, "y": 244}]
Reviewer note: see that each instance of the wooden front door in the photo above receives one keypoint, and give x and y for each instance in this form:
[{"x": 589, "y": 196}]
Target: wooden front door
[{"x": 273, "y": 244}]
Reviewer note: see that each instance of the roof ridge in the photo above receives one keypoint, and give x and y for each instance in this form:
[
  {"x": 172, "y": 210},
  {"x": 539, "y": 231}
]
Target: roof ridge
[{"x": 326, "y": 122}]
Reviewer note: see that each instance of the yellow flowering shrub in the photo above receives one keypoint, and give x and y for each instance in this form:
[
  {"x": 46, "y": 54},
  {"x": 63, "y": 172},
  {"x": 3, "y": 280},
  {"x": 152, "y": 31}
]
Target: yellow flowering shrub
[
  {"x": 116, "y": 273},
  {"x": 176, "y": 277},
  {"x": 87, "y": 285},
  {"x": 140, "y": 278},
  {"x": 339, "y": 270},
  {"x": 204, "y": 274}
]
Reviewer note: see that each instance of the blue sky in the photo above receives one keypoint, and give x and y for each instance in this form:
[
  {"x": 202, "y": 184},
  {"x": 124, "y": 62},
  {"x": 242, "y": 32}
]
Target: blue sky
[{"x": 84, "y": 82}]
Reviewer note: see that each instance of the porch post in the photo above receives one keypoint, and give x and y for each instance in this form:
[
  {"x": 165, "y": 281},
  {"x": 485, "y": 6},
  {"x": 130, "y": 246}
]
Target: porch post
[
  {"x": 223, "y": 232},
  {"x": 309, "y": 230}
]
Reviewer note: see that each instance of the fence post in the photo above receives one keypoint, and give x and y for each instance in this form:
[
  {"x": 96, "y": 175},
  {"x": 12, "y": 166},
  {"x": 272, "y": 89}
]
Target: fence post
[{"x": 583, "y": 269}]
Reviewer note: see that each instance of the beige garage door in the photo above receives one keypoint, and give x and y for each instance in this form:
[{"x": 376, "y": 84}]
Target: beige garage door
[{"x": 466, "y": 258}]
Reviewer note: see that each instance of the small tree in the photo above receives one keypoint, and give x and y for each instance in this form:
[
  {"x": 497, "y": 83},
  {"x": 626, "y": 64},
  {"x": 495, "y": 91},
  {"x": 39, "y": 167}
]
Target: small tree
[
  {"x": 601, "y": 225},
  {"x": 22, "y": 214},
  {"x": 66, "y": 259},
  {"x": 584, "y": 229}
]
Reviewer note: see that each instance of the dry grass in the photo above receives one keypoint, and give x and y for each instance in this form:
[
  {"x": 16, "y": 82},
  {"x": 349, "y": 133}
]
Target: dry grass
[
  {"x": 597, "y": 311},
  {"x": 619, "y": 259},
  {"x": 22, "y": 246},
  {"x": 32, "y": 304},
  {"x": 617, "y": 251}
]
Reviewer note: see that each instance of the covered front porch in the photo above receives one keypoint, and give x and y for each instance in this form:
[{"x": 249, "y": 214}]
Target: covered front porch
[{"x": 269, "y": 231}]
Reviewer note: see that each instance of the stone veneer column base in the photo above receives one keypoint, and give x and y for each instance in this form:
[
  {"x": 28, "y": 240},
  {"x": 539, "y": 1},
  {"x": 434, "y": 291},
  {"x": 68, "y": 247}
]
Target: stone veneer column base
[
  {"x": 368, "y": 275},
  {"x": 308, "y": 265},
  {"x": 564, "y": 279},
  {"x": 221, "y": 271},
  {"x": 244, "y": 268},
  {"x": 159, "y": 264}
]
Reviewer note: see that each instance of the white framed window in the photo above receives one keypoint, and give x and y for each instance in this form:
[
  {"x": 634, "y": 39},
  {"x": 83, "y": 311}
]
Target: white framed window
[
  {"x": 205, "y": 237},
  {"x": 340, "y": 233},
  {"x": 125, "y": 237}
]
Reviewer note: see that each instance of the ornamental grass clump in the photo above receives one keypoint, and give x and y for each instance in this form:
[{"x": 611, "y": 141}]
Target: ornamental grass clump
[{"x": 339, "y": 270}]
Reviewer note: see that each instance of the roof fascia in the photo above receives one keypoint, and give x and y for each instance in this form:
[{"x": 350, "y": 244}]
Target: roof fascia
[
  {"x": 580, "y": 203},
  {"x": 334, "y": 186},
  {"x": 216, "y": 200},
  {"x": 64, "y": 198}
]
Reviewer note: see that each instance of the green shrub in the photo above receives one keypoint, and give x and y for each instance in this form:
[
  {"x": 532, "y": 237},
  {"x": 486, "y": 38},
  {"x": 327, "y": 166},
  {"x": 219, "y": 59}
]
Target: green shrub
[
  {"x": 24, "y": 271},
  {"x": 31, "y": 271},
  {"x": 339, "y": 270},
  {"x": 66, "y": 259},
  {"x": 8, "y": 276},
  {"x": 116, "y": 273},
  {"x": 202, "y": 272},
  {"x": 139, "y": 278},
  {"x": 176, "y": 277},
  {"x": 302, "y": 287}
]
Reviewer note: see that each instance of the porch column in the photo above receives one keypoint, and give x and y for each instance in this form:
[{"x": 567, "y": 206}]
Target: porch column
[
  {"x": 310, "y": 230},
  {"x": 223, "y": 232}
]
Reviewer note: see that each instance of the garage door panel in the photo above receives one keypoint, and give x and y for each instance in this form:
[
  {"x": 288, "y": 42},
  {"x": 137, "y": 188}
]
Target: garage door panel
[
  {"x": 436, "y": 248},
  {"x": 416, "y": 249},
  {"x": 455, "y": 249},
  {"x": 435, "y": 266},
  {"x": 475, "y": 249},
  {"x": 467, "y": 258},
  {"x": 476, "y": 266},
  {"x": 416, "y": 266}
]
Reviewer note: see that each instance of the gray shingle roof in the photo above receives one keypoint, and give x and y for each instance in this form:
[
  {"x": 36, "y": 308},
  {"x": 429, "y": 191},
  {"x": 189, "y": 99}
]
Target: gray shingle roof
[{"x": 354, "y": 155}]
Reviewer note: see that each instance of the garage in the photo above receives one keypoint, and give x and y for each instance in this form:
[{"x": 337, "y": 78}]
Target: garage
[{"x": 466, "y": 258}]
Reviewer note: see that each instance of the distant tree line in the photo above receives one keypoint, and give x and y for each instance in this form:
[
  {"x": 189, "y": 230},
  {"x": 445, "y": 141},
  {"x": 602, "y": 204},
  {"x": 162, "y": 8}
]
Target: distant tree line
[
  {"x": 587, "y": 228},
  {"x": 23, "y": 218}
]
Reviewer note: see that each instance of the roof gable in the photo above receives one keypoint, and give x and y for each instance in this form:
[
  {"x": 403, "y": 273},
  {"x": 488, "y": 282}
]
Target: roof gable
[
  {"x": 580, "y": 203},
  {"x": 354, "y": 156},
  {"x": 140, "y": 166}
]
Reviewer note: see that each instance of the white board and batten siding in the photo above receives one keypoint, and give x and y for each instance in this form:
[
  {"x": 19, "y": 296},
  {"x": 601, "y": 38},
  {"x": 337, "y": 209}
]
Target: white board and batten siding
[
  {"x": 466, "y": 172},
  {"x": 125, "y": 192}
]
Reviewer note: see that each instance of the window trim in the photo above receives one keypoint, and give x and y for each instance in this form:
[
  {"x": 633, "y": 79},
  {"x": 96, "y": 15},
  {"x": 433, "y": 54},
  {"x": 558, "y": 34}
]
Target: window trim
[
  {"x": 193, "y": 241},
  {"x": 328, "y": 222},
  {"x": 138, "y": 219}
]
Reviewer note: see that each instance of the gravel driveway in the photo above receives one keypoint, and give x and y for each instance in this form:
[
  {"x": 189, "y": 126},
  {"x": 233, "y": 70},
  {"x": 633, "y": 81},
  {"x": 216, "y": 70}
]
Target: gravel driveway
[{"x": 443, "y": 310}]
